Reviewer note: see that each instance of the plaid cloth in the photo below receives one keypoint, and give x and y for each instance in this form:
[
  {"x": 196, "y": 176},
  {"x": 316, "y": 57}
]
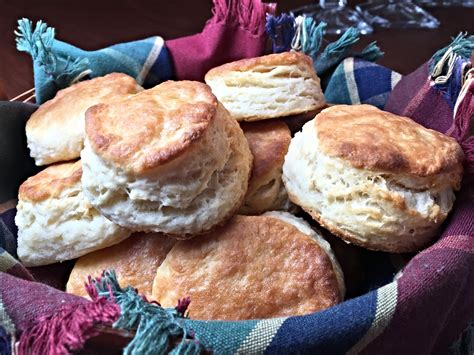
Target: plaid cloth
[
  {"x": 423, "y": 310},
  {"x": 357, "y": 81},
  {"x": 236, "y": 31},
  {"x": 415, "y": 95}
]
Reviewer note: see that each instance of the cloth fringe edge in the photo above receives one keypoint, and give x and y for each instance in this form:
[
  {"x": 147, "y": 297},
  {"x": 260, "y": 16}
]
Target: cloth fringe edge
[
  {"x": 69, "y": 328},
  {"x": 247, "y": 14}
]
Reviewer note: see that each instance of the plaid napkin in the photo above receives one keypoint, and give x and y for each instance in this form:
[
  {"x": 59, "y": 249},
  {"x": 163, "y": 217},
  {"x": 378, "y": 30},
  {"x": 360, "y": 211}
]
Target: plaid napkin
[
  {"x": 358, "y": 81},
  {"x": 236, "y": 31},
  {"x": 347, "y": 76},
  {"x": 423, "y": 310}
]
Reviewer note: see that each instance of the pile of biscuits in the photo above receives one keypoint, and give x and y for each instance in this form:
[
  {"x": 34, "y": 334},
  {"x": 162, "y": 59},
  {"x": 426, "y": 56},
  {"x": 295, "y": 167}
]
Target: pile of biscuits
[{"x": 190, "y": 189}]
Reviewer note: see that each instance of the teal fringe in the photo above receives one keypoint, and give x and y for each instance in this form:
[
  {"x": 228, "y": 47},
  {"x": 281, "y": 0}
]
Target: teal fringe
[
  {"x": 38, "y": 43},
  {"x": 155, "y": 327},
  {"x": 371, "y": 53},
  {"x": 342, "y": 45},
  {"x": 462, "y": 46},
  {"x": 310, "y": 39},
  {"x": 312, "y": 36},
  {"x": 336, "y": 52}
]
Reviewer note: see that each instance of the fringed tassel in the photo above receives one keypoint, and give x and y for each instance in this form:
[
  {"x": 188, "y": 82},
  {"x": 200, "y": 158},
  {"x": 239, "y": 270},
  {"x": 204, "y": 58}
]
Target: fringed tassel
[
  {"x": 371, "y": 53},
  {"x": 462, "y": 46},
  {"x": 448, "y": 66},
  {"x": 309, "y": 36},
  {"x": 281, "y": 30},
  {"x": 248, "y": 14},
  {"x": 5, "y": 342},
  {"x": 158, "y": 330},
  {"x": 336, "y": 51},
  {"x": 450, "y": 83},
  {"x": 343, "y": 44},
  {"x": 38, "y": 43},
  {"x": 68, "y": 329}
]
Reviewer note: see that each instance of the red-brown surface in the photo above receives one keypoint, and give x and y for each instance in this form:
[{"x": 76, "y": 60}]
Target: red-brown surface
[{"x": 93, "y": 24}]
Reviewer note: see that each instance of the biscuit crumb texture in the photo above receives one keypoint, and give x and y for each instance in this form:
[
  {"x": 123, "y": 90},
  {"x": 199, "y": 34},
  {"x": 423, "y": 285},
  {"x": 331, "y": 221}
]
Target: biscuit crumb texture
[
  {"x": 186, "y": 196},
  {"x": 379, "y": 210},
  {"x": 62, "y": 226},
  {"x": 266, "y": 87},
  {"x": 253, "y": 267}
]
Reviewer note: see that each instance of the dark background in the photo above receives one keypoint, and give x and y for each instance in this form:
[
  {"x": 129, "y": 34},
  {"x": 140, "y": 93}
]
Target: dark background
[{"x": 93, "y": 24}]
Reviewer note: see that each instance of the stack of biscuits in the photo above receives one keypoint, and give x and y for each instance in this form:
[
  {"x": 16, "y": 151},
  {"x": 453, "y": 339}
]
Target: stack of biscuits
[{"x": 190, "y": 189}]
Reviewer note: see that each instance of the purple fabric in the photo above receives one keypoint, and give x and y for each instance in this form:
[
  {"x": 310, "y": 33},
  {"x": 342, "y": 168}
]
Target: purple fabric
[
  {"x": 436, "y": 290},
  {"x": 416, "y": 98},
  {"x": 435, "y": 293},
  {"x": 20, "y": 271},
  {"x": 236, "y": 31},
  {"x": 27, "y": 301}
]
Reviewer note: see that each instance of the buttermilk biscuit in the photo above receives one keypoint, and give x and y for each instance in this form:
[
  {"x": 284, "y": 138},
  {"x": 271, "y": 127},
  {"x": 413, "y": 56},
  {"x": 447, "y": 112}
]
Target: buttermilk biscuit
[
  {"x": 169, "y": 159},
  {"x": 274, "y": 85},
  {"x": 134, "y": 260},
  {"x": 253, "y": 267},
  {"x": 55, "y": 132},
  {"x": 55, "y": 222},
  {"x": 374, "y": 179},
  {"x": 268, "y": 141}
]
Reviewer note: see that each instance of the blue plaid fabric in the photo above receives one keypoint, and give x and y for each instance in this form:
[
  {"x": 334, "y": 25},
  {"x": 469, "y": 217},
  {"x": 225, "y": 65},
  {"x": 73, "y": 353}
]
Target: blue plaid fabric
[
  {"x": 323, "y": 332},
  {"x": 58, "y": 64},
  {"x": 357, "y": 81},
  {"x": 145, "y": 60}
]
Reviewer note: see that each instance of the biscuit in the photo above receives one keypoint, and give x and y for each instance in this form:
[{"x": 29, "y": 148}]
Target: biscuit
[
  {"x": 55, "y": 222},
  {"x": 270, "y": 86},
  {"x": 374, "y": 179},
  {"x": 134, "y": 260},
  {"x": 55, "y": 132},
  {"x": 253, "y": 267},
  {"x": 169, "y": 159},
  {"x": 268, "y": 141}
]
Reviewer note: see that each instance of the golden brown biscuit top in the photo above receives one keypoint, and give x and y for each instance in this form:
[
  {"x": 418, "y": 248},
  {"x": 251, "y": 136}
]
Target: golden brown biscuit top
[
  {"x": 373, "y": 139},
  {"x": 134, "y": 260},
  {"x": 77, "y": 98},
  {"x": 50, "y": 182},
  {"x": 268, "y": 142},
  {"x": 151, "y": 128},
  {"x": 285, "y": 58},
  {"x": 253, "y": 267}
]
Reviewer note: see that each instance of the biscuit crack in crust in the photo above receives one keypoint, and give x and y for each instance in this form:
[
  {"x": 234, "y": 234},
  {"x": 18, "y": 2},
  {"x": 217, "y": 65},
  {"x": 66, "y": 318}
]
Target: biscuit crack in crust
[{"x": 198, "y": 184}]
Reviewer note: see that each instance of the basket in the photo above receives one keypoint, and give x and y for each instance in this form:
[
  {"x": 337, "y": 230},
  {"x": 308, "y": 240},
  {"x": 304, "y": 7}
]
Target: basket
[{"x": 422, "y": 309}]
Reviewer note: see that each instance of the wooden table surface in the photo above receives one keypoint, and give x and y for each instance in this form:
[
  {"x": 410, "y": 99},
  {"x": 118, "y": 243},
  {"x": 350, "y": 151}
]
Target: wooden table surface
[{"x": 94, "y": 24}]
